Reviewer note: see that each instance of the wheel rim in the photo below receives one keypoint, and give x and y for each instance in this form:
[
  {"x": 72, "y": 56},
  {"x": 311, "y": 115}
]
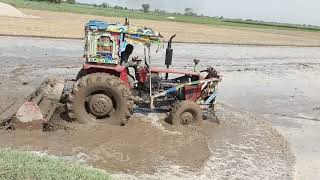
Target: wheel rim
[
  {"x": 100, "y": 105},
  {"x": 186, "y": 118}
]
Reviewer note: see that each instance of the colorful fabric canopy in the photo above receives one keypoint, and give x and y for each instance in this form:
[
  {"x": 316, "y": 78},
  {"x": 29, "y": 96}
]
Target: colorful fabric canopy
[{"x": 133, "y": 34}]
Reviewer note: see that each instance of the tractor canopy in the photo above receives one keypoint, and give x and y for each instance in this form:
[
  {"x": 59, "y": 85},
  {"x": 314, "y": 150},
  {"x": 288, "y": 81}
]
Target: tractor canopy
[{"x": 106, "y": 41}]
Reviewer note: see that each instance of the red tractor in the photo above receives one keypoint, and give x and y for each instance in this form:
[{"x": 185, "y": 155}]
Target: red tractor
[{"x": 105, "y": 91}]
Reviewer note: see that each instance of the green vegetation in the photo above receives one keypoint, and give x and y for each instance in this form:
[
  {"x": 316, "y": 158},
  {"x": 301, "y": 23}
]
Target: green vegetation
[
  {"x": 22, "y": 165},
  {"x": 117, "y": 11},
  {"x": 279, "y": 25},
  {"x": 57, "y": 1}
]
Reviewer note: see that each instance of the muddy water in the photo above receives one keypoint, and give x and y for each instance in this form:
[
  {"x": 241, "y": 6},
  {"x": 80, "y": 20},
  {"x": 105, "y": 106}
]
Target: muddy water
[
  {"x": 137, "y": 147},
  {"x": 280, "y": 84}
]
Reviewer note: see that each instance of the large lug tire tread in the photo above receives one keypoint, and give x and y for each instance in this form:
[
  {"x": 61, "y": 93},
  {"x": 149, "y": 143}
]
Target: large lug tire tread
[
  {"x": 186, "y": 106},
  {"x": 97, "y": 81}
]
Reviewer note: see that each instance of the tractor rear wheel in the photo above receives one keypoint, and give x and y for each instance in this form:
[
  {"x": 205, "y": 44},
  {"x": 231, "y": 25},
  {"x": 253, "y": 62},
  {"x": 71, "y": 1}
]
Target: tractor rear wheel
[
  {"x": 100, "y": 98},
  {"x": 186, "y": 113}
]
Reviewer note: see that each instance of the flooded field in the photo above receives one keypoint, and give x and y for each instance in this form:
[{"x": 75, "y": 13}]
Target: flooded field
[{"x": 278, "y": 84}]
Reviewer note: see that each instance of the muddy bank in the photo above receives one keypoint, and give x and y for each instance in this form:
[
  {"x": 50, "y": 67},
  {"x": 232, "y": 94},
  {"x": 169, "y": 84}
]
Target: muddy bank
[{"x": 139, "y": 146}]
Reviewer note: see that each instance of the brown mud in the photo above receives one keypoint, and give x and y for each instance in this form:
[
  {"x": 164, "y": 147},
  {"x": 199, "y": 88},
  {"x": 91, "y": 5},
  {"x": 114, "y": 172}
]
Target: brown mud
[
  {"x": 136, "y": 147},
  {"x": 241, "y": 147},
  {"x": 149, "y": 148}
]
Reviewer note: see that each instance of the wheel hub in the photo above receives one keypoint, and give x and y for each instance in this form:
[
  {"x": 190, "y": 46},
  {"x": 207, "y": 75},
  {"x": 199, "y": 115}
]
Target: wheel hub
[
  {"x": 186, "y": 118},
  {"x": 100, "y": 105}
]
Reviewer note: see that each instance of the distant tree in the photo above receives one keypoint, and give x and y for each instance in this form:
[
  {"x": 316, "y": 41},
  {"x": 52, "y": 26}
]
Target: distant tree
[
  {"x": 105, "y": 5},
  {"x": 118, "y": 7},
  {"x": 71, "y": 1},
  {"x": 51, "y": 1},
  {"x": 189, "y": 12},
  {"x": 145, "y": 7},
  {"x": 162, "y": 12}
]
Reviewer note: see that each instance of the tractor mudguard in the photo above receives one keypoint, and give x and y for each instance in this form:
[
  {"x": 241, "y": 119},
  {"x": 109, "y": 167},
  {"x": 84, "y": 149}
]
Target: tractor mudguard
[{"x": 118, "y": 70}]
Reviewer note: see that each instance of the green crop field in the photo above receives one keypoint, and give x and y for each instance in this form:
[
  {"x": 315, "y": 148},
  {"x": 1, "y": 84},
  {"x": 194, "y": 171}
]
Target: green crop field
[
  {"x": 160, "y": 16},
  {"x": 22, "y": 165}
]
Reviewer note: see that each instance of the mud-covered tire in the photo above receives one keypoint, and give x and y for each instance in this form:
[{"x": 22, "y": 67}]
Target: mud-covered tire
[
  {"x": 103, "y": 83},
  {"x": 186, "y": 110}
]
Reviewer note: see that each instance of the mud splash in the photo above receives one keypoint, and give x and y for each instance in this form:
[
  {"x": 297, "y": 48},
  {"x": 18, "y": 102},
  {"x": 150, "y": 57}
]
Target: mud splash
[
  {"x": 240, "y": 147},
  {"x": 141, "y": 146}
]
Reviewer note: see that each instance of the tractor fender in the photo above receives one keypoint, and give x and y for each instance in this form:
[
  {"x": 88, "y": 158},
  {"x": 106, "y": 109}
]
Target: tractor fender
[{"x": 118, "y": 71}]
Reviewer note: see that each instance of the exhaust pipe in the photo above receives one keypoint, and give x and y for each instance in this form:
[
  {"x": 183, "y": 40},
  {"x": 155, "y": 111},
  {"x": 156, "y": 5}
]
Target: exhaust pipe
[{"x": 169, "y": 53}]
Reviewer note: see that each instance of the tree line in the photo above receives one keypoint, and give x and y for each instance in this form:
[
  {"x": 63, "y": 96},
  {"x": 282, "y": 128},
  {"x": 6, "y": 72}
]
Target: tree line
[
  {"x": 57, "y": 1},
  {"x": 144, "y": 7}
]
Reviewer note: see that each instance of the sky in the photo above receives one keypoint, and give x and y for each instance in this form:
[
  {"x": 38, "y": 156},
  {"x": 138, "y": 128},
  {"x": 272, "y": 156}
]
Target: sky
[{"x": 285, "y": 11}]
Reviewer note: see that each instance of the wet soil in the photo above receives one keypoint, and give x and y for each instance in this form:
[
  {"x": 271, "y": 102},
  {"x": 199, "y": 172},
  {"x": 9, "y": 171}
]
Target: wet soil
[
  {"x": 148, "y": 148},
  {"x": 241, "y": 147},
  {"x": 136, "y": 147}
]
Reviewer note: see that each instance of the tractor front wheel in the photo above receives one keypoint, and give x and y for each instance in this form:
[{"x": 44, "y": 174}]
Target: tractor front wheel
[
  {"x": 186, "y": 113},
  {"x": 100, "y": 98}
]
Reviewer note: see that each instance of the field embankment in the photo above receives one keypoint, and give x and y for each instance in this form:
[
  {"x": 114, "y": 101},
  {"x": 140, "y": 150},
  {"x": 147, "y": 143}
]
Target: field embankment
[
  {"x": 23, "y": 165},
  {"x": 160, "y": 15},
  {"x": 70, "y": 20}
]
